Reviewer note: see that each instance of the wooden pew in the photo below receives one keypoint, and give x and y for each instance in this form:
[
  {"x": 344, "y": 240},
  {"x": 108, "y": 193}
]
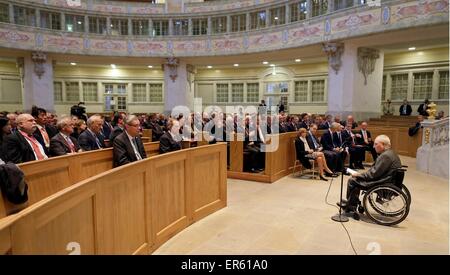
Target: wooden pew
[
  {"x": 132, "y": 209},
  {"x": 147, "y": 133},
  {"x": 46, "y": 177}
]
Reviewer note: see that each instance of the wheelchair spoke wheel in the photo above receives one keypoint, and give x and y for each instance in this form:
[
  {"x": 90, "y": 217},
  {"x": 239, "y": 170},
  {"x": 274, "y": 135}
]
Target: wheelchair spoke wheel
[{"x": 386, "y": 204}]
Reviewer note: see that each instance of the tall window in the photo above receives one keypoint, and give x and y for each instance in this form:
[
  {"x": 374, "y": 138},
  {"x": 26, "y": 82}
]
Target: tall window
[
  {"x": 97, "y": 25},
  {"x": 383, "y": 88},
  {"x": 301, "y": 91},
  {"x": 119, "y": 26},
  {"x": 72, "y": 92},
  {"x": 252, "y": 92},
  {"x": 257, "y": 20},
  {"x": 222, "y": 92},
  {"x": 319, "y": 7},
  {"x": 238, "y": 23},
  {"x": 298, "y": 11},
  {"x": 318, "y": 90},
  {"x": 237, "y": 92},
  {"x": 74, "y": 23},
  {"x": 399, "y": 86},
  {"x": 423, "y": 85},
  {"x": 90, "y": 92},
  {"x": 443, "y": 85},
  {"x": 57, "y": 91},
  {"x": 4, "y": 13},
  {"x": 180, "y": 27},
  {"x": 140, "y": 27},
  {"x": 199, "y": 26},
  {"x": 156, "y": 92},
  {"x": 160, "y": 28},
  {"x": 342, "y": 4},
  {"x": 277, "y": 16},
  {"x": 139, "y": 92},
  {"x": 50, "y": 20},
  {"x": 219, "y": 24},
  {"x": 24, "y": 16}
]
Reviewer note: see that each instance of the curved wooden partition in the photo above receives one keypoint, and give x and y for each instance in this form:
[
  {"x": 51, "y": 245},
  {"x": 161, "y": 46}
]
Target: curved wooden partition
[
  {"x": 132, "y": 209},
  {"x": 46, "y": 177}
]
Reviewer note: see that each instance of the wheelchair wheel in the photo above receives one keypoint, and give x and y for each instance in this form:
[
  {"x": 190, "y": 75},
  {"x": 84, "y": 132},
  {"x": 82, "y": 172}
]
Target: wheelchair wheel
[
  {"x": 386, "y": 204},
  {"x": 407, "y": 193}
]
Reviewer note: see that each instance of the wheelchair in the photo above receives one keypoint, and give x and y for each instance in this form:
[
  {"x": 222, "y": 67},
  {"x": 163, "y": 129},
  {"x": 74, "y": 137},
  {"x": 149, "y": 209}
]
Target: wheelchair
[{"x": 387, "y": 203}]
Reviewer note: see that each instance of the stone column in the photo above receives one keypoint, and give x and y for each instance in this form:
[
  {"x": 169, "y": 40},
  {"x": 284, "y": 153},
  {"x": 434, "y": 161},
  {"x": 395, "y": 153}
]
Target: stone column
[
  {"x": 37, "y": 82},
  {"x": 178, "y": 84},
  {"x": 11, "y": 13},
  {"x": 355, "y": 78},
  {"x": 308, "y": 9}
]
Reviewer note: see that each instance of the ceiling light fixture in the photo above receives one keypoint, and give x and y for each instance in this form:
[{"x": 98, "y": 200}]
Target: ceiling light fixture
[
  {"x": 265, "y": 62},
  {"x": 113, "y": 66},
  {"x": 150, "y": 66},
  {"x": 272, "y": 65},
  {"x": 236, "y": 65},
  {"x": 209, "y": 67},
  {"x": 73, "y": 63},
  {"x": 411, "y": 48},
  {"x": 298, "y": 60}
]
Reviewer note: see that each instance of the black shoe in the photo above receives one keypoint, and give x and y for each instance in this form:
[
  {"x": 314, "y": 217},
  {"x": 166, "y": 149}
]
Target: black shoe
[
  {"x": 332, "y": 175},
  {"x": 351, "y": 166},
  {"x": 254, "y": 170},
  {"x": 356, "y": 216},
  {"x": 360, "y": 166},
  {"x": 260, "y": 169},
  {"x": 322, "y": 178}
]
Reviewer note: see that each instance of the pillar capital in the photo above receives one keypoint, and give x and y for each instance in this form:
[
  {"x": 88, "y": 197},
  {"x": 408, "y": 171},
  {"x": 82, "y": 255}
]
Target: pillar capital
[
  {"x": 172, "y": 65},
  {"x": 334, "y": 51},
  {"x": 39, "y": 59}
]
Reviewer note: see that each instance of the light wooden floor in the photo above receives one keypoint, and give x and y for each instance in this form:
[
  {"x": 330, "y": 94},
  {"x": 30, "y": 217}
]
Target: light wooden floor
[{"x": 291, "y": 217}]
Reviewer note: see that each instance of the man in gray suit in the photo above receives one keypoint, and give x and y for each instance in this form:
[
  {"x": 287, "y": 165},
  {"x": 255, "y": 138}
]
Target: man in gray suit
[{"x": 386, "y": 163}]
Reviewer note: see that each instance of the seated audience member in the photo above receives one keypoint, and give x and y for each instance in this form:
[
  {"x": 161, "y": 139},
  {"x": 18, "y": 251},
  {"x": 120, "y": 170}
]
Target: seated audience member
[
  {"x": 63, "y": 143},
  {"x": 43, "y": 132},
  {"x": 157, "y": 130},
  {"x": 22, "y": 146},
  {"x": 107, "y": 127},
  {"x": 5, "y": 130},
  {"x": 337, "y": 119},
  {"x": 282, "y": 128},
  {"x": 12, "y": 120},
  {"x": 422, "y": 110},
  {"x": 170, "y": 140},
  {"x": 387, "y": 162},
  {"x": 388, "y": 109},
  {"x": 118, "y": 122},
  {"x": 79, "y": 126},
  {"x": 440, "y": 115},
  {"x": 405, "y": 109},
  {"x": 305, "y": 121},
  {"x": 328, "y": 141},
  {"x": 327, "y": 123},
  {"x": 91, "y": 138},
  {"x": 292, "y": 124},
  {"x": 350, "y": 121},
  {"x": 128, "y": 146},
  {"x": 314, "y": 143},
  {"x": 412, "y": 131},
  {"x": 364, "y": 138},
  {"x": 305, "y": 154},
  {"x": 252, "y": 145},
  {"x": 355, "y": 151}
]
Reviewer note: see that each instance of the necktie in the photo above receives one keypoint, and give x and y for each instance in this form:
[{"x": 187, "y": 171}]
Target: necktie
[
  {"x": 71, "y": 145},
  {"x": 138, "y": 155},
  {"x": 45, "y": 136},
  {"x": 365, "y": 137},
  {"x": 35, "y": 146}
]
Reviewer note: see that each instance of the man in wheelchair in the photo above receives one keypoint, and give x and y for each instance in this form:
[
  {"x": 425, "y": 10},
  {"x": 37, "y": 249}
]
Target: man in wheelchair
[{"x": 381, "y": 172}]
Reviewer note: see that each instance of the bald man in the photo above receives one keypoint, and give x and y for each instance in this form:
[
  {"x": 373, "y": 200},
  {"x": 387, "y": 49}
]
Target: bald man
[{"x": 22, "y": 146}]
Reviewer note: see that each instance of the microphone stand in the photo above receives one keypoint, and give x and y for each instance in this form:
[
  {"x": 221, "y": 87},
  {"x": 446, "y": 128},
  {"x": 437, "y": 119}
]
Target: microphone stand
[{"x": 341, "y": 217}]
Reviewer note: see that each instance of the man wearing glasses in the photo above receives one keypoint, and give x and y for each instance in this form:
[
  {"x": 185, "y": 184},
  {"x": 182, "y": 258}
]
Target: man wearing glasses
[{"x": 128, "y": 146}]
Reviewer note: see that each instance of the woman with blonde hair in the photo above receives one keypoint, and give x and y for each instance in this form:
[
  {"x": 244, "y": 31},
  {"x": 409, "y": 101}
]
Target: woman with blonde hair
[{"x": 305, "y": 154}]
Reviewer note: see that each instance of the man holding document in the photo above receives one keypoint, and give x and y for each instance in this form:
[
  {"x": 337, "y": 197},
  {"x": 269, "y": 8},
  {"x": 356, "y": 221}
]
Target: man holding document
[{"x": 386, "y": 163}]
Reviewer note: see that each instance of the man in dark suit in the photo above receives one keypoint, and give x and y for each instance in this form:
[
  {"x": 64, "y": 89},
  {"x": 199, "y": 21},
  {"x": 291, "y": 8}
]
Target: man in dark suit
[
  {"x": 305, "y": 121},
  {"x": 364, "y": 138},
  {"x": 22, "y": 146},
  {"x": 379, "y": 173},
  {"x": 329, "y": 143},
  {"x": 422, "y": 110},
  {"x": 327, "y": 123},
  {"x": 91, "y": 139},
  {"x": 157, "y": 130},
  {"x": 356, "y": 151},
  {"x": 331, "y": 157},
  {"x": 107, "y": 128},
  {"x": 118, "y": 122},
  {"x": 170, "y": 140},
  {"x": 128, "y": 146},
  {"x": 350, "y": 120},
  {"x": 63, "y": 143},
  {"x": 43, "y": 132},
  {"x": 405, "y": 109}
]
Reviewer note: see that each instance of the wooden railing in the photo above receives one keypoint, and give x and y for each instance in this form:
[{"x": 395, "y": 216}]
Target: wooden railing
[
  {"x": 46, "y": 177},
  {"x": 132, "y": 209}
]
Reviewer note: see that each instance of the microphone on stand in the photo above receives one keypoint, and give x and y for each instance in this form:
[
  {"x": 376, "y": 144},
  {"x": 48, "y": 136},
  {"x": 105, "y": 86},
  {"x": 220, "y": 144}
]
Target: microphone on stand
[{"x": 341, "y": 217}]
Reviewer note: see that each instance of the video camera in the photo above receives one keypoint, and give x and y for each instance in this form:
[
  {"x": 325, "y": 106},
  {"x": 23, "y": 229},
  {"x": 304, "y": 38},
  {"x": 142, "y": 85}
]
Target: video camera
[{"x": 79, "y": 111}]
